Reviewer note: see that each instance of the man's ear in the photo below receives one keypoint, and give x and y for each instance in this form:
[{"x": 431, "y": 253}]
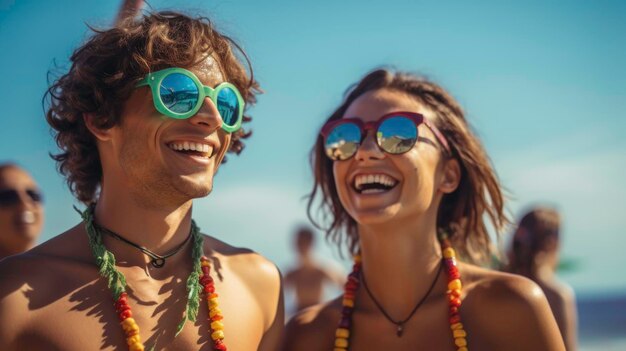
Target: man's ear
[
  {"x": 451, "y": 176},
  {"x": 99, "y": 133}
]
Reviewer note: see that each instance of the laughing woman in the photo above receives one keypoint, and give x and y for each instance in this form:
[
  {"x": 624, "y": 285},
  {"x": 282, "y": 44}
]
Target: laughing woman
[{"x": 408, "y": 188}]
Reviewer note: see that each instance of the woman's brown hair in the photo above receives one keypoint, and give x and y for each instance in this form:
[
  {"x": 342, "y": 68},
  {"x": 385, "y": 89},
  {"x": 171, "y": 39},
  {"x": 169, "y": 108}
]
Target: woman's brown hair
[
  {"x": 105, "y": 70},
  {"x": 461, "y": 213}
]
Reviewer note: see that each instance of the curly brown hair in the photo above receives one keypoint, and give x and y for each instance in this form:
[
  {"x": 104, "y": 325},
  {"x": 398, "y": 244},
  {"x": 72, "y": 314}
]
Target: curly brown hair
[
  {"x": 461, "y": 212},
  {"x": 105, "y": 70}
]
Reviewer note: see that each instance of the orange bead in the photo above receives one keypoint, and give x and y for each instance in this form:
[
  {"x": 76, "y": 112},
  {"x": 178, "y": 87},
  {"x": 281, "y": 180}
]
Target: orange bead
[
  {"x": 341, "y": 342},
  {"x": 456, "y": 326},
  {"x": 460, "y": 342}
]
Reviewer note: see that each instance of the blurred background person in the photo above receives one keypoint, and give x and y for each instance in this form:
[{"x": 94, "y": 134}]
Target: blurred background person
[
  {"x": 308, "y": 278},
  {"x": 21, "y": 210},
  {"x": 534, "y": 254}
]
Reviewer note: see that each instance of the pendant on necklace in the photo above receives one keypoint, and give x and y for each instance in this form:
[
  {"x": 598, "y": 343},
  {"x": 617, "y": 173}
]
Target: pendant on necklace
[
  {"x": 400, "y": 330},
  {"x": 158, "y": 262}
]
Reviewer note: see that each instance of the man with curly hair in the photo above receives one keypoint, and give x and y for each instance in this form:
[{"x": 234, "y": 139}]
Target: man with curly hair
[{"x": 144, "y": 118}]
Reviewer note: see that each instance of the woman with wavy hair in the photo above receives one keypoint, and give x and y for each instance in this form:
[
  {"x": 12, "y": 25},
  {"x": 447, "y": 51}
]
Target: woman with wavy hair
[{"x": 408, "y": 187}]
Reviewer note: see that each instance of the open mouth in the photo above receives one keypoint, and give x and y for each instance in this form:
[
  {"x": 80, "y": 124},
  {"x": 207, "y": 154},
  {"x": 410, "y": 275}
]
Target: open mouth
[
  {"x": 192, "y": 148},
  {"x": 373, "y": 183},
  {"x": 25, "y": 218}
]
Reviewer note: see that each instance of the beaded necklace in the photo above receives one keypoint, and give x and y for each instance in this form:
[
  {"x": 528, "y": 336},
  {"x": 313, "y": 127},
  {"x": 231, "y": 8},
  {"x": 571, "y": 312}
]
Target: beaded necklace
[
  {"x": 199, "y": 281},
  {"x": 342, "y": 333}
]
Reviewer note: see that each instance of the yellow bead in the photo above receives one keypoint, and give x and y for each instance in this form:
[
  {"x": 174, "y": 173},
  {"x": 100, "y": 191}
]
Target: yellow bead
[
  {"x": 213, "y": 302},
  {"x": 459, "y": 333},
  {"x": 135, "y": 339},
  {"x": 205, "y": 264},
  {"x": 357, "y": 258},
  {"x": 462, "y": 348},
  {"x": 214, "y": 312},
  {"x": 341, "y": 342},
  {"x": 460, "y": 342},
  {"x": 217, "y": 335},
  {"x": 217, "y": 325},
  {"x": 342, "y": 333},
  {"x": 129, "y": 325},
  {"x": 448, "y": 252},
  {"x": 136, "y": 347},
  {"x": 454, "y": 284},
  {"x": 456, "y": 326},
  {"x": 348, "y": 302}
]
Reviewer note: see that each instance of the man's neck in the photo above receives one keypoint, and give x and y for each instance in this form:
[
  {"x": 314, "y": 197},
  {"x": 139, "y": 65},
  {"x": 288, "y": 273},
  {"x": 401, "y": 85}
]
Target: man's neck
[{"x": 159, "y": 229}]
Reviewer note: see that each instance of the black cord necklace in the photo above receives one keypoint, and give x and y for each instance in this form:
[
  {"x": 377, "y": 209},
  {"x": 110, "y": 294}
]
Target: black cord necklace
[
  {"x": 400, "y": 324},
  {"x": 157, "y": 261}
]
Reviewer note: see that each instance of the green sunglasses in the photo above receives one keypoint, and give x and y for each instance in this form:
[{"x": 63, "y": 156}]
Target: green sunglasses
[{"x": 178, "y": 93}]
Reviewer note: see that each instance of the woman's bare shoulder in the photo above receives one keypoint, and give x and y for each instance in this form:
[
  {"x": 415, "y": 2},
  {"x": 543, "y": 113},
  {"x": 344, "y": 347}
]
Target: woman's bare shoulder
[
  {"x": 505, "y": 310},
  {"x": 313, "y": 328}
]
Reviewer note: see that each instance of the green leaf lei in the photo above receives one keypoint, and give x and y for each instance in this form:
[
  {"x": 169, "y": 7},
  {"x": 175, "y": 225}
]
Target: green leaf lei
[{"x": 116, "y": 280}]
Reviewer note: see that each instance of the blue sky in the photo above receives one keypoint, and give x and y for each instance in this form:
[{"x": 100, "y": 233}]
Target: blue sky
[{"x": 543, "y": 83}]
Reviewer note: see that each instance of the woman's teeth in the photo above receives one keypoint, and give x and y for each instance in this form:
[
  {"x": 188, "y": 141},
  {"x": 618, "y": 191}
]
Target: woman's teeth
[{"x": 373, "y": 183}]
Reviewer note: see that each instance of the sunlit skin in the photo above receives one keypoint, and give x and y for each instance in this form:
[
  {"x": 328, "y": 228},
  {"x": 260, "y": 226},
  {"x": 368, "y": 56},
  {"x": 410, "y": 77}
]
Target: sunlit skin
[
  {"x": 20, "y": 224},
  {"x": 400, "y": 253},
  {"x": 147, "y": 193}
]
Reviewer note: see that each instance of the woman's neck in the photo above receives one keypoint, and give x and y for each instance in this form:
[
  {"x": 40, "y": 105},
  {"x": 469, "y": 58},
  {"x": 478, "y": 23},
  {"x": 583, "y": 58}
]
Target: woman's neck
[{"x": 400, "y": 263}]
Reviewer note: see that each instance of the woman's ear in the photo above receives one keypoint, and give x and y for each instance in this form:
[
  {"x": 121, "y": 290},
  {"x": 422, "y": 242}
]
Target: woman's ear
[
  {"x": 451, "y": 176},
  {"x": 99, "y": 133}
]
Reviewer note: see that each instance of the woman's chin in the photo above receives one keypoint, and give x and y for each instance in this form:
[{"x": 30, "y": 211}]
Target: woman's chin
[{"x": 377, "y": 215}]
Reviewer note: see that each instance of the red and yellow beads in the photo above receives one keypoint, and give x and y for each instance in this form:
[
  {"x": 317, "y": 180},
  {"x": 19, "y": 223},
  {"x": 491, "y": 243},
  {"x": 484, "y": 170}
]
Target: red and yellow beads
[
  {"x": 215, "y": 314},
  {"x": 454, "y": 294},
  {"x": 342, "y": 333},
  {"x": 130, "y": 327}
]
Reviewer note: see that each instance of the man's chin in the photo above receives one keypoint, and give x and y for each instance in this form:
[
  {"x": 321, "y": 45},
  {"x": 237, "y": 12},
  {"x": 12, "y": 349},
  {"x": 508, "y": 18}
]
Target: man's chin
[{"x": 196, "y": 190}]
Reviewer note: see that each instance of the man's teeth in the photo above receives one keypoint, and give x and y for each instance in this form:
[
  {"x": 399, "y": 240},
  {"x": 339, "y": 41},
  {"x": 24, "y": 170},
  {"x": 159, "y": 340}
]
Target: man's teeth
[
  {"x": 366, "y": 181},
  {"x": 27, "y": 217},
  {"x": 190, "y": 146}
]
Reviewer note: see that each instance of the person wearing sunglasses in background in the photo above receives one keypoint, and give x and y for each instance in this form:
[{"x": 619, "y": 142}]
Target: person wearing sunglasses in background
[
  {"x": 407, "y": 186},
  {"x": 21, "y": 210},
  {"x": 144, "y": 118}
]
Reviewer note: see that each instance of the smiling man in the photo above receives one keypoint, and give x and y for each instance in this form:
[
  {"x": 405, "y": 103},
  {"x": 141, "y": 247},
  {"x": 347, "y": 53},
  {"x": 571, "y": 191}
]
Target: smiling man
[
  {"x": 21, "y": 210},
  {"x": 144, "y": 118}
]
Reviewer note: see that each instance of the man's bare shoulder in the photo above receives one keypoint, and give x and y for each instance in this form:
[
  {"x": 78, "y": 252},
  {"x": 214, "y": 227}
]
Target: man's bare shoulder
[
  {"x": 500, "y": 303},
  {"x": 258, "y": 274},
  {"x": 38, "y": 277},
  {"x": 241, "y": 260},
  {"x": 313, "y": 328},
  {"x": 68, "y": 248}
]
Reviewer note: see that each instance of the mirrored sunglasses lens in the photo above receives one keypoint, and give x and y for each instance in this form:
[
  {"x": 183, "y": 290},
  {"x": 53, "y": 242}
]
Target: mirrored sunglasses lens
[
  {"x": 179, "y": 93},
  {"x": 9, "y": 197},
  {"x": 343, "y": 141},
  {"x": 228, "y": 105},
  {"x": 397, "y": 135}
]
